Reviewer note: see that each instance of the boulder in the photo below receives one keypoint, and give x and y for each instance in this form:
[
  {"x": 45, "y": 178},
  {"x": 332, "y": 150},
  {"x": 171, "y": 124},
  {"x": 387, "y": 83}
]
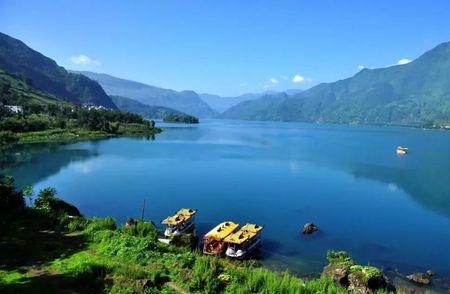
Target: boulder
[
  {"x": 309, "y": 228},
  {"x": 419, "y": 278},
  {"x": 430, "y": 273},
  {"x": 339, "y": 273},
  {"x": 357, "y": 284}
]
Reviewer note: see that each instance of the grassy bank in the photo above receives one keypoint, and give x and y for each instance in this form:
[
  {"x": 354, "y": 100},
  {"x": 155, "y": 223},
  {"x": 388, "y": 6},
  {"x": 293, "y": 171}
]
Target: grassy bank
[
  {"x": 76, "y": 134},
  {"x": 43, "y": 250},
  {"x": 72, "y": 134}
]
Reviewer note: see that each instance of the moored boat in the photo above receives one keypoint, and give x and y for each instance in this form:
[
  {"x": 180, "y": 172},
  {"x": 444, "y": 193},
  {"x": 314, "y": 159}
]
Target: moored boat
[
  {"x": 214, "y": 239},
  {"x": 181, "y": 222},
  {"x": 243, "y": 242},
  {"x": 402, "y": 150}
]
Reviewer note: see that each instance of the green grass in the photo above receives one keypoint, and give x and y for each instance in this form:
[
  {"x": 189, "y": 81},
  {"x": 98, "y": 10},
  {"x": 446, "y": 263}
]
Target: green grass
[
  {"x": 60, "y": 135},
  {"x": 96, "y": 255},
  {"x": 79, "y": 134}
]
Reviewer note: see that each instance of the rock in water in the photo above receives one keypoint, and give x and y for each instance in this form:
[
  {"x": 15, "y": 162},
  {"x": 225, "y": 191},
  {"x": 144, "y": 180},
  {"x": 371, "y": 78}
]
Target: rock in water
[
  {"x": 419, "y": 278},
  {"x": 356, "y": 278},
  {"x": 309, "y": 228},
  {"x": 430, "y": 273},
  {"x": 338, "y": 273}
]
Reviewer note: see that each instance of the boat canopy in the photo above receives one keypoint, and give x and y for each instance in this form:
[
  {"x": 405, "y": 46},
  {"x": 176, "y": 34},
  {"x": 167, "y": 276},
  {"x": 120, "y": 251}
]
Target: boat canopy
[
  {"x": 182, "y": 215},
  {"x": 246, "y": 233},
  {"x": 222, "y": 230}
]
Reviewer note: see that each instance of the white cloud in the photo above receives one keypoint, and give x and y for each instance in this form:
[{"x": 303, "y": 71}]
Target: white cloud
[
  {"x": 243, "y": 84},
  {"x": 273, "y": 80},
  {"x": 361, "y": 67},
  {"x": 266, "y": 86},
  {"x": 84, "y": 60},
  {"x": 284, "y": 77},
  {"x": 297, "y": 79},
  {"x": 404, "y": 61}
]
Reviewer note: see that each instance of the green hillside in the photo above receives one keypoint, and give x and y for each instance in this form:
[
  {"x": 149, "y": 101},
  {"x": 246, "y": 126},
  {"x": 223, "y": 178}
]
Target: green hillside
[
  {"x": 45, "y": 75},
  {"x": 46, "y": 118},
  {"x": 415, "y": 94},
  {"x": 133, "y": 106},
  {"x": 14, "y": 90}
]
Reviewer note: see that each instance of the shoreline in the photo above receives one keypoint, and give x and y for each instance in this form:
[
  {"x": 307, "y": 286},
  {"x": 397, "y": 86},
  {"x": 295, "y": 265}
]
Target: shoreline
[{"x": 76, "y": 135}]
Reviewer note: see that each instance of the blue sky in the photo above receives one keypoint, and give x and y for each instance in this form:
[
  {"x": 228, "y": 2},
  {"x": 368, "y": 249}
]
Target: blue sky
[{"x": 228, "y": 47}]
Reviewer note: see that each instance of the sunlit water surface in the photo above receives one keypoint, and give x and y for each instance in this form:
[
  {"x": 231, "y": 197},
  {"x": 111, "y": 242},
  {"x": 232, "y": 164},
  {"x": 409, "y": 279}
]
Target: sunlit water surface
[{"x": 386, "y": 209}]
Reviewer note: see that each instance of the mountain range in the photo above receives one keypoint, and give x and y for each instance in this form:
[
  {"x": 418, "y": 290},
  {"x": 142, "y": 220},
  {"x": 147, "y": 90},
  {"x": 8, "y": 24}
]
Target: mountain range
[
  {"x": 184, "y": 101},
  {"x": 44, "y": 74},
  {"x": 147, "y": 111},
  {"x": 415, "y": 94},
  {"x": 221, "y": 104}
]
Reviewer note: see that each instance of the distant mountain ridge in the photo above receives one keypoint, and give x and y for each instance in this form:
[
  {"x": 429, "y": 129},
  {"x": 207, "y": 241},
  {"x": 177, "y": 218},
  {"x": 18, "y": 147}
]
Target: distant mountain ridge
[
  {"x": 221, "y": 104},
  {"x": 185, "y": 101},
  {"x": 44, "y": 74},
  {"x": 149, "y": 112},
  {"x": 415, "y": 94}
]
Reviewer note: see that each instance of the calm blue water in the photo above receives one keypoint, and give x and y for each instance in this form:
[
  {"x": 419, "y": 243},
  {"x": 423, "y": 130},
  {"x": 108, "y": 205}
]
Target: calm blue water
[{"x": 387, "y": 210}]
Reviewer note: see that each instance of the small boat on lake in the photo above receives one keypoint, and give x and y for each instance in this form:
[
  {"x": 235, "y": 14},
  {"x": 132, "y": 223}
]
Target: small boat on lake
[
  {"x": 244, "y": 241},
  {"x": 214, "y": 239},
  {"x": 181, "y": 222},
  {"x": 402, "y": 150}
]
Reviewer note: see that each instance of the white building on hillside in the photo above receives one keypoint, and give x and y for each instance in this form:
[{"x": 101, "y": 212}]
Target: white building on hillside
[{"x": 14, "y": 108}]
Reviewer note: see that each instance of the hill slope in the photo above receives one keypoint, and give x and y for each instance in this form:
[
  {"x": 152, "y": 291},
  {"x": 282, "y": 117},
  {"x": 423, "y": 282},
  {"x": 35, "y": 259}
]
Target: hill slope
[
  {"x": 15, "y": 91},
  {"x": 185, "y": 101},
  {"x": 416, "y": 94},
  {"x": 133, "y": 106},
  {"x": 45, "y": 75}
]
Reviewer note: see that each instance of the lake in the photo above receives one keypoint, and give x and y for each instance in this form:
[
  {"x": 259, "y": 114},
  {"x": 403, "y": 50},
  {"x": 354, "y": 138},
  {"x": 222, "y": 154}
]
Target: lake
[{"x": 388, "y": 210}]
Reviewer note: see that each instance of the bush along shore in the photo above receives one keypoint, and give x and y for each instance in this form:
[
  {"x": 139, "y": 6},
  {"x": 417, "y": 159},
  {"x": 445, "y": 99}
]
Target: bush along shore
[
  {"x": 48, "y": 246},
  {"x": 180, "y": 118}
]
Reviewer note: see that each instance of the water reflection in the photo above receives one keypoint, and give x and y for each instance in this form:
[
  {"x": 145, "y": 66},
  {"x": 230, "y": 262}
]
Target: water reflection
[
  {"x": 348, "y": 179},
  {"x": 32, "y": 163}
]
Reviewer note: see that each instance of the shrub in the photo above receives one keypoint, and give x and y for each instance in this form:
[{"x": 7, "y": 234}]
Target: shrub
[
  {"x": 10, "y": 199},
  {"x": 99, "y": 224},
  {"x": 339, "y": 258},
  {"x": 7, "y": 137},
  {"x": 48, "y": 201},
  {"x": 369, "y": 272},
  {"x": 78, "y": 223},
  {"x": 142, "y": 229}
]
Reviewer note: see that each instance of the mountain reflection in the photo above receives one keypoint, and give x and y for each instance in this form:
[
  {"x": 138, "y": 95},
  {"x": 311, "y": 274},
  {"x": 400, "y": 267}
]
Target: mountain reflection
[{"x": 31, "y": 163}]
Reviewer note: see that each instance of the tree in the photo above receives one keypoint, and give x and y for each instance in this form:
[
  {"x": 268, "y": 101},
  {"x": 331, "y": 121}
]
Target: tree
[{"x": 10, "y": 199}]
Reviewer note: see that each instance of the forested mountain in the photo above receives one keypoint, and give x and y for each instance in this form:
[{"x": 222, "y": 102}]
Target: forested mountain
[
  {"x": 14, "y": 90},
  {"x": 44, "y": 74},
  {"x": 258, "y": 109},
  {"x": 133, "y": 106},
  {"x": 417, "y": 93},
  {"x": 186, "y": 101}
]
